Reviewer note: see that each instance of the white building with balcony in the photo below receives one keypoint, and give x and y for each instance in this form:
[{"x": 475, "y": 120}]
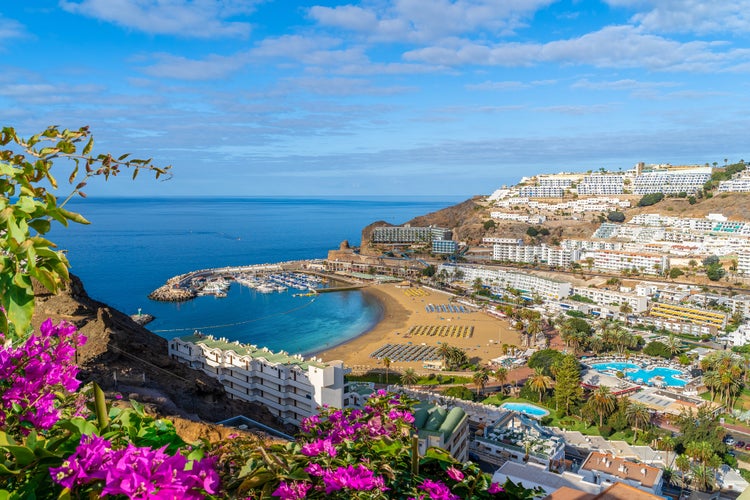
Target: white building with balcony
[
  {"x": 628, "y": 261},
  {"x": 291, "y": 387},
  {"x": 531, "y": 284}
]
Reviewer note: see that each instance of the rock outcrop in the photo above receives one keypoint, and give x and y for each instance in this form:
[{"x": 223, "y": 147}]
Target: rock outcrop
[{"x": 122, "y": 356}]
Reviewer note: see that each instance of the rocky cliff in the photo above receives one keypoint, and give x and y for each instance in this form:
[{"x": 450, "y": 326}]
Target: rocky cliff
[{"x": 118, "y": 345}]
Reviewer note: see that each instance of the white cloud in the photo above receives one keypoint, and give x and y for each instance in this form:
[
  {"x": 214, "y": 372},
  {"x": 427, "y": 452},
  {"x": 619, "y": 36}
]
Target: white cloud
[
  {"x": 10, "y": 28},
  {"x": 185, "y": 18},
  {"x": 690, "y": 16},
  {"x": 624, "y": 84},
  {"x": 429, "y": 20},
  {"x": 181, "y": 68},
  {"x": 610, "y": 47}
]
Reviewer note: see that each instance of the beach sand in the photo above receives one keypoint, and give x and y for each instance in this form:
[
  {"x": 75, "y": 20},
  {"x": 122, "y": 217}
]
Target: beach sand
[{"x": 402, "y": 311}]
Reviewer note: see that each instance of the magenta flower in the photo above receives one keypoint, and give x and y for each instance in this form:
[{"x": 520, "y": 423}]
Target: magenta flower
[
  {"x": 455, "y": 474},
  {"x": 495, "y": 488},
  {"x": 292, "y": 491},
  {"x": 437, "y": 490},
  {"x": 352, "y": 477},
  {"x": 32, "y": 373},
  {"x": 137, "y": 473},
  {"x": 317, "y": 447}
]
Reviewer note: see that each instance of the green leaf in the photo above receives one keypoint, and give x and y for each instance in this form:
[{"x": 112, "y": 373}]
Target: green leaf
[
  {"x": 23, "y": 455},
  {"x": 73, "y": 216},
  {"x": 137, "y": 407},
  {"x": 89, "y": 145},
  {"x": 64, "y": 494},
  {"x": 4, "y": 471},
  {"x": 41, "y": 226}
]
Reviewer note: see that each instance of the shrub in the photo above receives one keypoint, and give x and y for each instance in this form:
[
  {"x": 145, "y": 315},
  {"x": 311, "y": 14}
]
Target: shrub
[
  {"x": 650, "y": 199},
  {"x": 616, "y": 216}
]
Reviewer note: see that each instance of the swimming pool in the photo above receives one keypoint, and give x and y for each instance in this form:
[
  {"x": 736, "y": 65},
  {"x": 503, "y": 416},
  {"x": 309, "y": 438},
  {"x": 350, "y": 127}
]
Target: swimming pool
[
  {"x": 670, "y": 376},
  {"x": 526, "y": 408}
]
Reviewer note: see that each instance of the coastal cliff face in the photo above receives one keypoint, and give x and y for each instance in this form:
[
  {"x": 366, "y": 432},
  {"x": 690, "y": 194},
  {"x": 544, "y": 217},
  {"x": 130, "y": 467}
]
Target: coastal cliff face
[{"x": 116, "y": 344}]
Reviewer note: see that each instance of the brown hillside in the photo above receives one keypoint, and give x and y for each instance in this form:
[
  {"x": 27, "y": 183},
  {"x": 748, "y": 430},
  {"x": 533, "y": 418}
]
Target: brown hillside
[{"x": 117, "y": 344}]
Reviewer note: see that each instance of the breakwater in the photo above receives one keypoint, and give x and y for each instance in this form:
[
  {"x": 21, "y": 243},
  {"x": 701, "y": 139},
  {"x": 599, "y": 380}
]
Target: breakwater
[{"x": 265, "y": 278}]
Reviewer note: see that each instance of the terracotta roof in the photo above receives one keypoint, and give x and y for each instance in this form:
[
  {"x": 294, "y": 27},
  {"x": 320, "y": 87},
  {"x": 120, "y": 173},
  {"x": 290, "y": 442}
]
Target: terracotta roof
[
  {"x": 621, "y": 468},
  {"x": 622, "y": 491}
]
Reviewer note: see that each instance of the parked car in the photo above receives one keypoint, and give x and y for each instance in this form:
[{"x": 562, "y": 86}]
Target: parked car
[
  {"x": 747, "y": 446},
  {"x": 729, "y": 440},
  {"x": 739, "y": 444}
]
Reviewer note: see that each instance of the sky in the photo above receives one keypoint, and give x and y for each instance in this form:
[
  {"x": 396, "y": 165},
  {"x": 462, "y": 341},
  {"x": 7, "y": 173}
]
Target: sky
[{"x": 379, "y": 97}]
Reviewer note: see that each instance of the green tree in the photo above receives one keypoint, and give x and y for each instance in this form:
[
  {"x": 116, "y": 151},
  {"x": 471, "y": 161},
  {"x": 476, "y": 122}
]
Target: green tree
[
  {"x": 544, "y": 360},
  {"x": 539, "y": 382},
  {"x": 501, "y": 375},
  {"x": 675, "y": 272},
  {"x": 615, "y": 216},
  {"x": 387, "y": 365},
  {"x": 602, "y": 402},
  {"x": 409, "y": 377},
  {"x": 638, "y": 415},
  {"x": 29, "y": 205},
  {"x": 568, "y": 391},
  {"x": 480, "y": 379}
]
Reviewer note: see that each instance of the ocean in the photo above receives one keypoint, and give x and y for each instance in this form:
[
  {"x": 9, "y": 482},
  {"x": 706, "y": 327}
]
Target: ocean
[{"x": 133, "y": 245}]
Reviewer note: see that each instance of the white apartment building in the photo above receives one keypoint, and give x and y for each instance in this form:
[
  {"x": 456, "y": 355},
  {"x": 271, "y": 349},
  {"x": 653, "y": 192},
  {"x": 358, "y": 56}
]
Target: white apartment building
[
  {"x": 541, "y": 192},
  {"x": 601, "y": 184},
  {"x": 291, "y": 387},
  {"x": 503, "y": 241},
  {"x": 535, "y": 254},
  {"x": 743, "y": 262},
  {"x": 591, "y": 245},
  {"x": 671, "y": 181},
  {"x": 530, "y": 219},
  {"x": 513, "y": 202},
  {"x": 602, "y": 468},
  {"x": 740, "y": 183},
  {"x": 548, "y": 289},
  {"x": 607, "y": 260},
  {"x": 637, "y": 303},
  {"x": 555, "y": 181}
]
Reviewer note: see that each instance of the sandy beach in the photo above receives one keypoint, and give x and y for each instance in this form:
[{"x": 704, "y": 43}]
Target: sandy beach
[{"x": 404, "y": 308}]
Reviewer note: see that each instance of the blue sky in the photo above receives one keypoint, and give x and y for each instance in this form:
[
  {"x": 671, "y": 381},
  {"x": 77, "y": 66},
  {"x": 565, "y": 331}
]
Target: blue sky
[{"x": 405, "y": 97}]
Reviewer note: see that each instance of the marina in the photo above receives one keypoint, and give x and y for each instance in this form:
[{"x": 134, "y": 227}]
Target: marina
[{"x": 264, "y": 278}]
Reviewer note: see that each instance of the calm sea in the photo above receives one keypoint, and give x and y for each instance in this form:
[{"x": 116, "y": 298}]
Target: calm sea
[{"x": 133, "y": 245}]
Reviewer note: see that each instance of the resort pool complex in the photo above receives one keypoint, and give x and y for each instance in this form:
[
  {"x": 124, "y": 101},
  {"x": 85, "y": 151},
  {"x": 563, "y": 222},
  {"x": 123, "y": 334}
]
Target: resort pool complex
[
  {"x": 526, "y": 408},
  {"x": 669, "y": 377}
]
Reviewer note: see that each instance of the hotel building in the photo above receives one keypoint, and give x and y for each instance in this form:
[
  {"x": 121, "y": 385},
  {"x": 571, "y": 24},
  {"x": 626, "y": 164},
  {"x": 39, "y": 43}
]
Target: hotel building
[
  {"x": 441, "y": 428},
  {"x": 409, "y": 234},
  {"x": 689, "y": 314},
  {"x": 671, "y": 181},
  {"x": 541, "y": 192},
  {"x": 608, "y": 260},
  {"x": 535, "y": 254},
  {"x": 548, "y": 289},
  {"x": 610, "y": 298},
  {"x": 605, "y": 469},
  {"x": 601, "y": 184},
  {"x": 291, "y": 387}
]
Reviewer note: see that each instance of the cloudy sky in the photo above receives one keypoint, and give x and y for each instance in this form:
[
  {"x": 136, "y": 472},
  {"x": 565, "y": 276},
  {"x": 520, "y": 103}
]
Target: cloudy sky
[{"x": 405, "y": 97}]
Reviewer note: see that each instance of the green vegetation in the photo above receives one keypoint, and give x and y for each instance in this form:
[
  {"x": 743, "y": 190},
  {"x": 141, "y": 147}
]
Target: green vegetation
[
  {"x": 545, "y": 359},
  {"x": 581, "y": 298},
  {"x": 658, "y": 349},
  {"x": 614, "y": 216},
  {"x": 650, "y": 199},
  {"x": 489, "y": 224}
]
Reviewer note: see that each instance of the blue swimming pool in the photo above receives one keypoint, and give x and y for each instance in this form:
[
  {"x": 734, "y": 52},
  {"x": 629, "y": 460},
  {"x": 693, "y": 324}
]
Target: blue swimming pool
[
  {"x": 670, "y": 376},
  {"x": 526, "y": 409}
]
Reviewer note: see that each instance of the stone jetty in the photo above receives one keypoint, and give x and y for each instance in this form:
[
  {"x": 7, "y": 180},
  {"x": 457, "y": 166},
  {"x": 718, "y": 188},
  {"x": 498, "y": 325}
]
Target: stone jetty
[{"x": 171, "y": 293}]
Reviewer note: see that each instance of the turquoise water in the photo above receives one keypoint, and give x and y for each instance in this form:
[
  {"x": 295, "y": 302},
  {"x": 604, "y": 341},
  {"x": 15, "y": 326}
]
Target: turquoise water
[
  {"x": 526, "y": 408},
  {"x": 640, "y": 375},
  {"x": 134, "y": 245}
]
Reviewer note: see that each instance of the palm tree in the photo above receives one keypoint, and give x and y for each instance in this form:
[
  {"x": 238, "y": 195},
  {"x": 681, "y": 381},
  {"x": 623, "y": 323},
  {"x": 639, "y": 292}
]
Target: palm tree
[
  {"x": 501, "y": 375},
  {"x": 387, "y": 364},
  {"x": 702, "y": 454},
  {"x": 409, "y": 377},
  {"x": 666, "y": 443},
  {"x": 602, "y": 402},
  {"x": 480, "y": 379},
  {"x": 539, "y": 382},
  {"x": 682, "y": 462},
  {"x": 637, "y": 414}
]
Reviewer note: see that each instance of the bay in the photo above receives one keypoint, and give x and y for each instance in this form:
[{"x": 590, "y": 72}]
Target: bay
[{"x": 133, "y": 245}]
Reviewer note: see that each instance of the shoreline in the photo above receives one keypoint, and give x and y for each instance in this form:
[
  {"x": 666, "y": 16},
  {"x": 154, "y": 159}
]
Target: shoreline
[
  {"x": 400, "y": 312},
  {"x": 387, "y": 307}
]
